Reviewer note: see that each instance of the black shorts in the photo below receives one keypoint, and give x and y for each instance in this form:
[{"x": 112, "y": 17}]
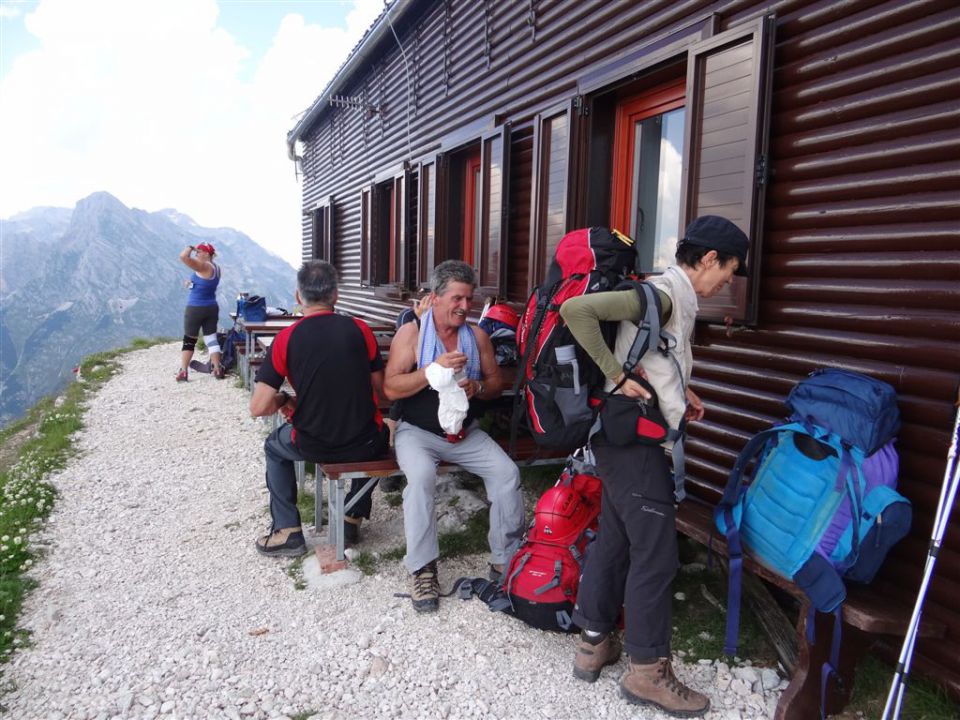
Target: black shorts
[{"x": 197, "y": 317}]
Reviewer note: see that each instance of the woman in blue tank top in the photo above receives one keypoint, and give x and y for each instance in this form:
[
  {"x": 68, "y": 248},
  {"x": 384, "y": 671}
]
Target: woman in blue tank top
[{"x": 202, "y": 310}]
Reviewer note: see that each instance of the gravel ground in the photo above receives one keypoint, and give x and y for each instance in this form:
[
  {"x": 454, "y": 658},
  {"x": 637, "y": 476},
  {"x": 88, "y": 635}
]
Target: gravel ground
[{"x": 153, "y": 603}]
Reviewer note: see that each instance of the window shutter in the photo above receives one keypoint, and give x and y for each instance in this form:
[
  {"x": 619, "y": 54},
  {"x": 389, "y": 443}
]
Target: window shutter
[
  {"x": 328, "y": 237},
  {"x": 366, "y": 235},
  {"x": 728, "y": 86},
  {"x": 495, "y": 176}
]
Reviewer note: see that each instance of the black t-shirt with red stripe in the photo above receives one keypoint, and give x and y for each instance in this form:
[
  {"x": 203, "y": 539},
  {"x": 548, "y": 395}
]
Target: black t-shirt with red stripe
[{"x": 328, "y": 359}]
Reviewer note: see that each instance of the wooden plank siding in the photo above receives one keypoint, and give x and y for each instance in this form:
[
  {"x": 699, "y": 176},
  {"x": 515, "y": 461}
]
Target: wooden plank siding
[{"x": 860, "y": 262}]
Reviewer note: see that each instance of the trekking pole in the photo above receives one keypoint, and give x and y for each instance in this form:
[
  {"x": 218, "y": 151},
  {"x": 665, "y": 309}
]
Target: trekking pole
[{"x": 948, "y": 494}]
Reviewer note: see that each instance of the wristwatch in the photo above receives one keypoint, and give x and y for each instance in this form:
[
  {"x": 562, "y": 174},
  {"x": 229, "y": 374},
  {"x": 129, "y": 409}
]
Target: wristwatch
[
  {"x": 479, "y": 391},
  {"x": 286, "y": 397}
]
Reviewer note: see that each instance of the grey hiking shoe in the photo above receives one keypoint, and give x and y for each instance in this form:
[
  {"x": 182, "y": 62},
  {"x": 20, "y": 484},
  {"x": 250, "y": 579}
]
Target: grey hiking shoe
[
  {"x": 426, "y": 589},
  {"x": 592, "y": 657},
  {"x": 655, "y": 684}
]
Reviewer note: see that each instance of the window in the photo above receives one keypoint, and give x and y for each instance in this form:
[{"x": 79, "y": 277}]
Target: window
[
  {"x": 648, "y": 163},
  {"x": 685, "y": 138},
  {"x": 462, "y": 209},
  {"x": 387, "y": 228},
  {"x": 321, "y": 233}
]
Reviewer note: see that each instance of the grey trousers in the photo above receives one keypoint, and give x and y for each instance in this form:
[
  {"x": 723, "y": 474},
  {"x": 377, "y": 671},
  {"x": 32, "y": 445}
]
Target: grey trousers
[{"x": 419, "y": 452}]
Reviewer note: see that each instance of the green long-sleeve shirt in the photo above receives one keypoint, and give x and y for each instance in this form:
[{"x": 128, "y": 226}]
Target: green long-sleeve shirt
[{"x": 584, "y": 313}]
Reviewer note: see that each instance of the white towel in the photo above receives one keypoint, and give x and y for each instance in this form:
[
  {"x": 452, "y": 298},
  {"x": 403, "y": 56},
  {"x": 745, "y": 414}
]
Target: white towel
[{"x": 453, "y": 400}]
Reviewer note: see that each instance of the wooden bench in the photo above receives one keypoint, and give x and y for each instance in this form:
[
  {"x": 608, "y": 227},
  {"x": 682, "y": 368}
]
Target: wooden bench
[
  {"x": 526, "y": 454},
  {"x": 865, "y": 616}
]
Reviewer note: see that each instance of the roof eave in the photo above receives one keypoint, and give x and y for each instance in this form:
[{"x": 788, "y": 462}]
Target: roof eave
[{"x": 380, "y": 28}]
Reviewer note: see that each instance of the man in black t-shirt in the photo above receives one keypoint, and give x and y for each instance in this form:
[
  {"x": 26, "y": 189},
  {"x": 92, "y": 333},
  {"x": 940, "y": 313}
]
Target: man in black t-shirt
[{"x": 333, "y": 364}]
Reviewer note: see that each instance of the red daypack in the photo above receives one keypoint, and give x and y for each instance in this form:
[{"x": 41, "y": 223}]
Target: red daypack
[
  {"x": 559, "y": 381},
  {"x": 541, "y": 580}
]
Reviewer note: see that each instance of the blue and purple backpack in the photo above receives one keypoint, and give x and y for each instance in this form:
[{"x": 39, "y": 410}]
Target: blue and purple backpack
[{"x": 821, "y": 506}]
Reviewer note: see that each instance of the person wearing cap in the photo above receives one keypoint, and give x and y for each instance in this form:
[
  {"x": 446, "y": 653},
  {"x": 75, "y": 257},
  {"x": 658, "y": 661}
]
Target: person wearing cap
[
  {"x": 634, "y": 559},
  {"x": 202, "y": 310}
]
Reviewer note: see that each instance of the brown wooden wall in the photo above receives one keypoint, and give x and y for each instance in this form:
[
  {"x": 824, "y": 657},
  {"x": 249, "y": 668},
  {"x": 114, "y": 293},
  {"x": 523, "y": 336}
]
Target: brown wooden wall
[{"x": 861, "y": 241}]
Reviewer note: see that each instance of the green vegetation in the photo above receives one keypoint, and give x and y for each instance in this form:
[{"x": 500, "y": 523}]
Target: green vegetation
[
  {"x": 699, "y": 625},
  {"x": 923, "y": 700},
  {"x": 45, "y": 439}
]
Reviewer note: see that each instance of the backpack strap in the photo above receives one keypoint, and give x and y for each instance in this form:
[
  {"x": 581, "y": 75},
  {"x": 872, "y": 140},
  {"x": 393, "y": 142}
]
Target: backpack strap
[
  {"x": 554, "y": 582},
  {"x": 829, "y": 668},
  {"x": 724, "y": 518}
]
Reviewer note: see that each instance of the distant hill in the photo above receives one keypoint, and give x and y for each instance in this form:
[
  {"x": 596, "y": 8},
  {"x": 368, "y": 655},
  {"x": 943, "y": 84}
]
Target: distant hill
[{"x": 75, "y": 282}]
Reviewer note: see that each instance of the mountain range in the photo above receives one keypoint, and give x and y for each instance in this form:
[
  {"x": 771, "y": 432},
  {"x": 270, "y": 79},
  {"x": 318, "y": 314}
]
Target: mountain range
[{"x": 78, "y": 281}]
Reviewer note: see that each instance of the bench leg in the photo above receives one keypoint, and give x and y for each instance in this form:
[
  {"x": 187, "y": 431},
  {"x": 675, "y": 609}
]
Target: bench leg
[
  {"x": 318, "y": 500},
  {"x": 801, "y": 699},
  {"x": 341, "y": 492},
  {"x": 300, "y": 471}
]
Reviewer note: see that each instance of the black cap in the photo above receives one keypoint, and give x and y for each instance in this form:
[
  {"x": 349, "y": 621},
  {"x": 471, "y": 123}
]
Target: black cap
[{"x": 717, "y": 233}]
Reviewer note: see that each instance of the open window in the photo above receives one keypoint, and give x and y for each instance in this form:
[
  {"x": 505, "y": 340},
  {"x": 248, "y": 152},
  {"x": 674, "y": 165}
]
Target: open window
[
  {"x": 321, "y": 232},
  {"x": 683, "y": 135},
  {"x": 462, "y": 209},
  {"x": 387, "y": 233}
]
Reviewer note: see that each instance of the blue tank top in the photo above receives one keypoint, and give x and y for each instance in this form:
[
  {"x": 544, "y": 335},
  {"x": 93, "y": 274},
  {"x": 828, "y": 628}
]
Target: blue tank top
[{"x": 203, "y": 291}]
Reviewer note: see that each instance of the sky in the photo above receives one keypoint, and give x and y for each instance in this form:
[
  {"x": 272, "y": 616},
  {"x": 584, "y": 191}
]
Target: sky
[{"x": 181, "y": 104}]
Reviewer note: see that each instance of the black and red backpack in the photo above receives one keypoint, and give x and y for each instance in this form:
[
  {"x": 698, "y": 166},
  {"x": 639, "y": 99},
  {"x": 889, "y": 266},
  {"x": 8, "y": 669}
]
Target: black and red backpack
[
  {"x": 541, "y": 581},
  {"x": 558, "y": 384}
]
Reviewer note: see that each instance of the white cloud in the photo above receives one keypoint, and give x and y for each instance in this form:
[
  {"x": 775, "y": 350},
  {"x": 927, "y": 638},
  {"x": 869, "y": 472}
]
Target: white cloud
[{"x": 144, "y": 100}]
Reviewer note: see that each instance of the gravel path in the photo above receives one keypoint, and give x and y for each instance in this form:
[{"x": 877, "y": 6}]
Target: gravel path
[{"x": 153, "y": 603}]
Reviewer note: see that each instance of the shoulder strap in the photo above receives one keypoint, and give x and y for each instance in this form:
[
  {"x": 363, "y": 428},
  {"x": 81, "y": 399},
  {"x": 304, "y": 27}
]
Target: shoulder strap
[{"x": 649, "y": 328}]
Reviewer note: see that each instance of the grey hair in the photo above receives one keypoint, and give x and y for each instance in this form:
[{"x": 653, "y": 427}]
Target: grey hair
[
  {"x": 451, "y": 271},
  {"x": 317, "y": 282}
]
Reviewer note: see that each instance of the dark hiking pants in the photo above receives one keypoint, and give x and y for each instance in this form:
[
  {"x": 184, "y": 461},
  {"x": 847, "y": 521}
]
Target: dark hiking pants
[{"x": 633, "y": 561}]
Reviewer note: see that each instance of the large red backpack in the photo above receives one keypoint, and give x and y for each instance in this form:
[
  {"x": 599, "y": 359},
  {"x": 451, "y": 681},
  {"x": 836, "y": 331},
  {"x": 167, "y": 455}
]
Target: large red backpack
[
  {"x": 557, "y": 381},
  {"x": 542, "y": 579}
]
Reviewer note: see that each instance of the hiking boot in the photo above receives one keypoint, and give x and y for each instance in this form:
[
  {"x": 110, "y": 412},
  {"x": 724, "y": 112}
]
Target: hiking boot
[
  {"x": 426, "y": 589},
  {"x": 182, "y": 375},
  {"x": 593, "y": 656},
  {"x": 495, "y": 573},
  {"x": 655, "y": 684},
  {"x": 287, "y": 542}
]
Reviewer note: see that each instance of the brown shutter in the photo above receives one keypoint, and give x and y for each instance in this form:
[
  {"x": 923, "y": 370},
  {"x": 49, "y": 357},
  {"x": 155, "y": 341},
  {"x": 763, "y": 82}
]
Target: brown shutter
[
  {"x": 329, "y": 242},
  {"x": 495, "y": 176},
  {"x": 550, "y": 207},
  {"x": 366, "y": 235},
  {"x": 316, "y": 234},
  {"x": 728, "y": 91}
]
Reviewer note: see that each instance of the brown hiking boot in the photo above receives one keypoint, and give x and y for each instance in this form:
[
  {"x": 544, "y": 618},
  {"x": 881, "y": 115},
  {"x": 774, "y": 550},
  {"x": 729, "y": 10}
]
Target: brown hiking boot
[
  {"x": 426, "y": 589},
  {"x": 286, "y": 542},
  {"x": 655, "y": 684},
  {"x": 590, "y": 658}
]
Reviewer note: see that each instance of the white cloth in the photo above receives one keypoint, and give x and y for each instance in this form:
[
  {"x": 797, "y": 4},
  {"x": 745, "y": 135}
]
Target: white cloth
[{"x": 453, "y": 400}]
